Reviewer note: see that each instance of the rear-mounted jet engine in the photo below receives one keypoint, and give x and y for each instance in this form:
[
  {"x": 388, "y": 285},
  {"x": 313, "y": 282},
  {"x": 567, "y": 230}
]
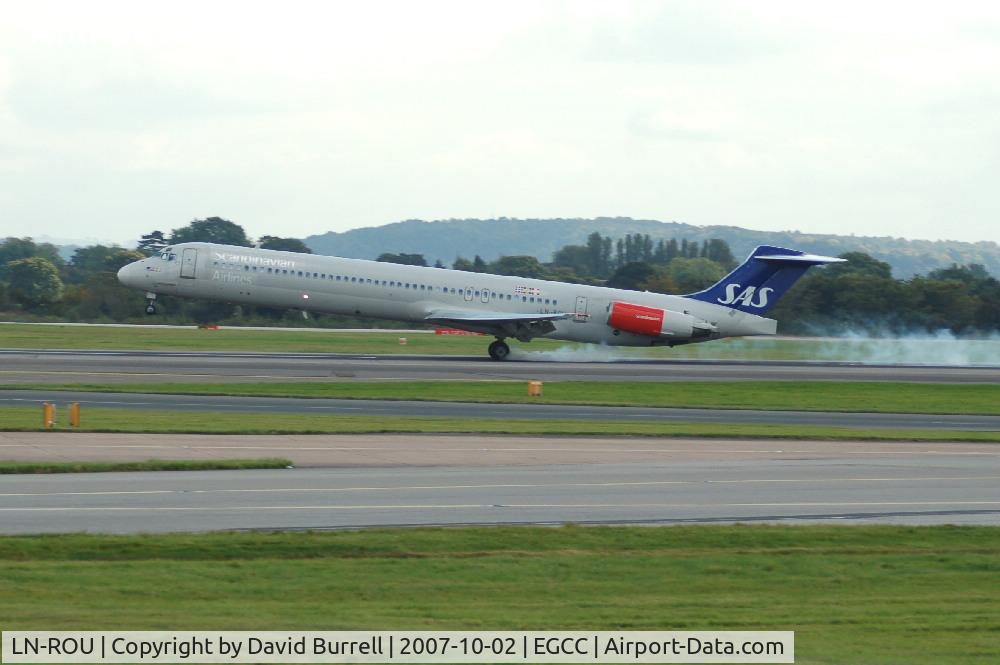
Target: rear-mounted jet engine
[{"x": 663, "y": 324}]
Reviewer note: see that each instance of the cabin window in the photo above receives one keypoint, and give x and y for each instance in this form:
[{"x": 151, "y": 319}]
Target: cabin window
[
  {"x": 508, "y": 296},
  {"x": 524, "y": 298},
  {"x": 546, "y": 301},
  {"x": 284, "y": 272},
  {"x": 477, "y": 293},
  {"x": 423, "y": 287}
]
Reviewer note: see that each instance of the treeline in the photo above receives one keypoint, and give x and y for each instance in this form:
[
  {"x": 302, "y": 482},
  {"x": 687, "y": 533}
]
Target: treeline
[
  {"x": 632, "y": 262},
  {"x": 36, "y": 284},
  {"x": 861, "y": 294}
]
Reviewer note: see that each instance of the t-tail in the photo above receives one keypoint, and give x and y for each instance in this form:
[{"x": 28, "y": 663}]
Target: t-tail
[{"x": 756, "y": 284}]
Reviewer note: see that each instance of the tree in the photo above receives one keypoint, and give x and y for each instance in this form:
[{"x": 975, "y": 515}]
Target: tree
[
  {"x": 632, "y": 276},
  {"x": 988, "y": 312},
  {"x": 462, "y": 264},
  {"x": 212, "y": 229},
  {"x": 12, "y": 249},
  {"x": 660, "y": 283},
  {"x": 121, "y": 258},
  {"x": 284, "y": 244},
  {"x": 944, "y": 303},
  {"x": 858, "y": 263},
  {"x": 520, "y": 266},
  {"x": 718, "y": 250},
  {"x": 152, "y": 243},
  {"x": 478, "y": 265},
  {"x": 404, "y": 259},
  {"x": 88, "y": 260},
  {"x": 598, "y": 255},
  {"x": 34, "y": 281},
  {"x": 577, "y": 258},
  {"x": 690, "y": 275},
  {"x": 672, "y": 250}
]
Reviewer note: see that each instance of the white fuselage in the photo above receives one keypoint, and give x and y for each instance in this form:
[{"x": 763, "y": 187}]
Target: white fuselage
[{"x": 408, "y": 293}]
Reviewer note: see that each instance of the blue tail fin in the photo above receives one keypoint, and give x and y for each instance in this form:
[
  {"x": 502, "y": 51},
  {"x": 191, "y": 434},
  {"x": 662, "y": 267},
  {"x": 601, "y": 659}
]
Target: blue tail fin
[{"x": 756, "y": 284}]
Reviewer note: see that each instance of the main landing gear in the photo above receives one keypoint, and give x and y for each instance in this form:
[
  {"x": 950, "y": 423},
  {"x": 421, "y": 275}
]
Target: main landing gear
[
  {"x": 150, "y": 303},
  {"x": 499, "y": 350}
]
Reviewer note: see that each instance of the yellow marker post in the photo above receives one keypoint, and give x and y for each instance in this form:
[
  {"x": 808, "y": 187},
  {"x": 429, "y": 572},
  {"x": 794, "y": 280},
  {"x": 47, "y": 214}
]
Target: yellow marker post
[
  {"x": 48, "y": 415},
  {"x": 534, "y": 388},
  {"x": 74, "y": 415}
]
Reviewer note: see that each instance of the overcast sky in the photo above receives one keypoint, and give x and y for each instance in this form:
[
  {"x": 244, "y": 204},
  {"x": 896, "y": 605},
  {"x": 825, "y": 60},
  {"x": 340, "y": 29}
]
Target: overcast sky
[{"x": 295, "y": 118}]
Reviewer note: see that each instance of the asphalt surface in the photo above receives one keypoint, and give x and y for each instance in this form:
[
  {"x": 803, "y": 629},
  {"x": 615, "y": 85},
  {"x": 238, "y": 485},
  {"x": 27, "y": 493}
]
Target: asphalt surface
[
  {"x": 621, "y": 481},
  {"x": 382, "y": 408},
  {"x": 54, "y": 366}
]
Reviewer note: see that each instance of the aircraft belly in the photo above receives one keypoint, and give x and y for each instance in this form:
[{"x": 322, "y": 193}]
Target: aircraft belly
[{"x": 592, "y": 332}]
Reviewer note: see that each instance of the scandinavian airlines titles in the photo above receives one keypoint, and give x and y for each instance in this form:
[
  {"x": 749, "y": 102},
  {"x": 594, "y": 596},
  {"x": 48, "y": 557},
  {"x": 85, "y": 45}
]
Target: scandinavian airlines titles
[{"x": 745, "y": 298}]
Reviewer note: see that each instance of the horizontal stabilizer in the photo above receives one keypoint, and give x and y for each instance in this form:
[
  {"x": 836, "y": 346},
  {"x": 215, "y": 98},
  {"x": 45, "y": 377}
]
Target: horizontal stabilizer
[{"x": 811, "y": 259}]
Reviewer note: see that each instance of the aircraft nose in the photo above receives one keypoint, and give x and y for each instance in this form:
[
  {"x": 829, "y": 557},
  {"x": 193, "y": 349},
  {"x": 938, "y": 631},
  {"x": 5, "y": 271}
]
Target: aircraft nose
[{"x": 128, "y": 275}]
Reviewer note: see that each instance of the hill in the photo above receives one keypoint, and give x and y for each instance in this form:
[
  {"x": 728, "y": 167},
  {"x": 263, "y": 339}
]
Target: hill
[{"x": 491, "y": 238}]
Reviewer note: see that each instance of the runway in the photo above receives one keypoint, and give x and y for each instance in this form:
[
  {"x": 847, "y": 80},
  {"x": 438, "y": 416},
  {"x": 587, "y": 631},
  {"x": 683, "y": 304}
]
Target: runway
[
  {"x": 392, "y": 408},
  {"x": 454, "y": 480},
  {"x": 55, "y": 366}
]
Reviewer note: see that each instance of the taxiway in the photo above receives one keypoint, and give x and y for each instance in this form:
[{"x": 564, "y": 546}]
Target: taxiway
[{"x": 459, "y": 480}]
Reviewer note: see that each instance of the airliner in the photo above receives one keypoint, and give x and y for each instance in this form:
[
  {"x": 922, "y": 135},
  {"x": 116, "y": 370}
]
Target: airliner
[{"x": 497, "y": 305}]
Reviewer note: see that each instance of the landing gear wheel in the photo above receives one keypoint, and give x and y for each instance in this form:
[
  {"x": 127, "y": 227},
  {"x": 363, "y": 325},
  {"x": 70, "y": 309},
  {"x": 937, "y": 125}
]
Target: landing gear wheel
[
  {"x": 499, "y": 350},
  {"x": 150, "y": 309}
]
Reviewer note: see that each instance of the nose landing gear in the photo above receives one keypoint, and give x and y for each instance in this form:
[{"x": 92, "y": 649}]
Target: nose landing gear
[
  {"x": 499, "y": 350},
  {"x": 150, "y": 303}
]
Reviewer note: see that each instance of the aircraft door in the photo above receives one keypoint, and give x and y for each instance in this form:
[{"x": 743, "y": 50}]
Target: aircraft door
[
  {"x": 468, "y": 293},
  {"x": 189, "y": 262},
  {"x": 580, "y": 314},
  {"x": 486, "y": 295}
]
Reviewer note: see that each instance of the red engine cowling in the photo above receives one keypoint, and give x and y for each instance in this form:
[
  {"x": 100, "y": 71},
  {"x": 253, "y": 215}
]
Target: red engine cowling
[{"x": 655, "y": 322}]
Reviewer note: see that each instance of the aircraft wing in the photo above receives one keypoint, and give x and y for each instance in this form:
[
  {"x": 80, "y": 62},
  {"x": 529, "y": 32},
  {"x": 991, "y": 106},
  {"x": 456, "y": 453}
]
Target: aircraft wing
[{"x": 502, "y": 324}]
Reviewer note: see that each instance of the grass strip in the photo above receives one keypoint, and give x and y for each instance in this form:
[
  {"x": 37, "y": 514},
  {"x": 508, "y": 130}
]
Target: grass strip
[
  {"x": 148, "y": 465},
  {"x": 205, "y": 422},
  {"x": 846, "y": 396},
  {"x": 385, "y": 343},
  {"x": 869, "y": 594}
]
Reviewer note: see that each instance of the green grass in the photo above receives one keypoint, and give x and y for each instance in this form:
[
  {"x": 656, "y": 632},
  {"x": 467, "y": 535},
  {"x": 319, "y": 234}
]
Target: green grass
[
  {"x": 147, "y": 465},
  {"x": 229, "y": 339},
  {"x": 320, "y": 341},
  {"x": 859, "y": 396},
  {"x": 874, "y": 594},
  {"x": 203, "y": 422}
]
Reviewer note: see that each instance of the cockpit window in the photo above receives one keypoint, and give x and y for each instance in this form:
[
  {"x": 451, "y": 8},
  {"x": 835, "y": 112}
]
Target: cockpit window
[{"x": 168, "y": 256}]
